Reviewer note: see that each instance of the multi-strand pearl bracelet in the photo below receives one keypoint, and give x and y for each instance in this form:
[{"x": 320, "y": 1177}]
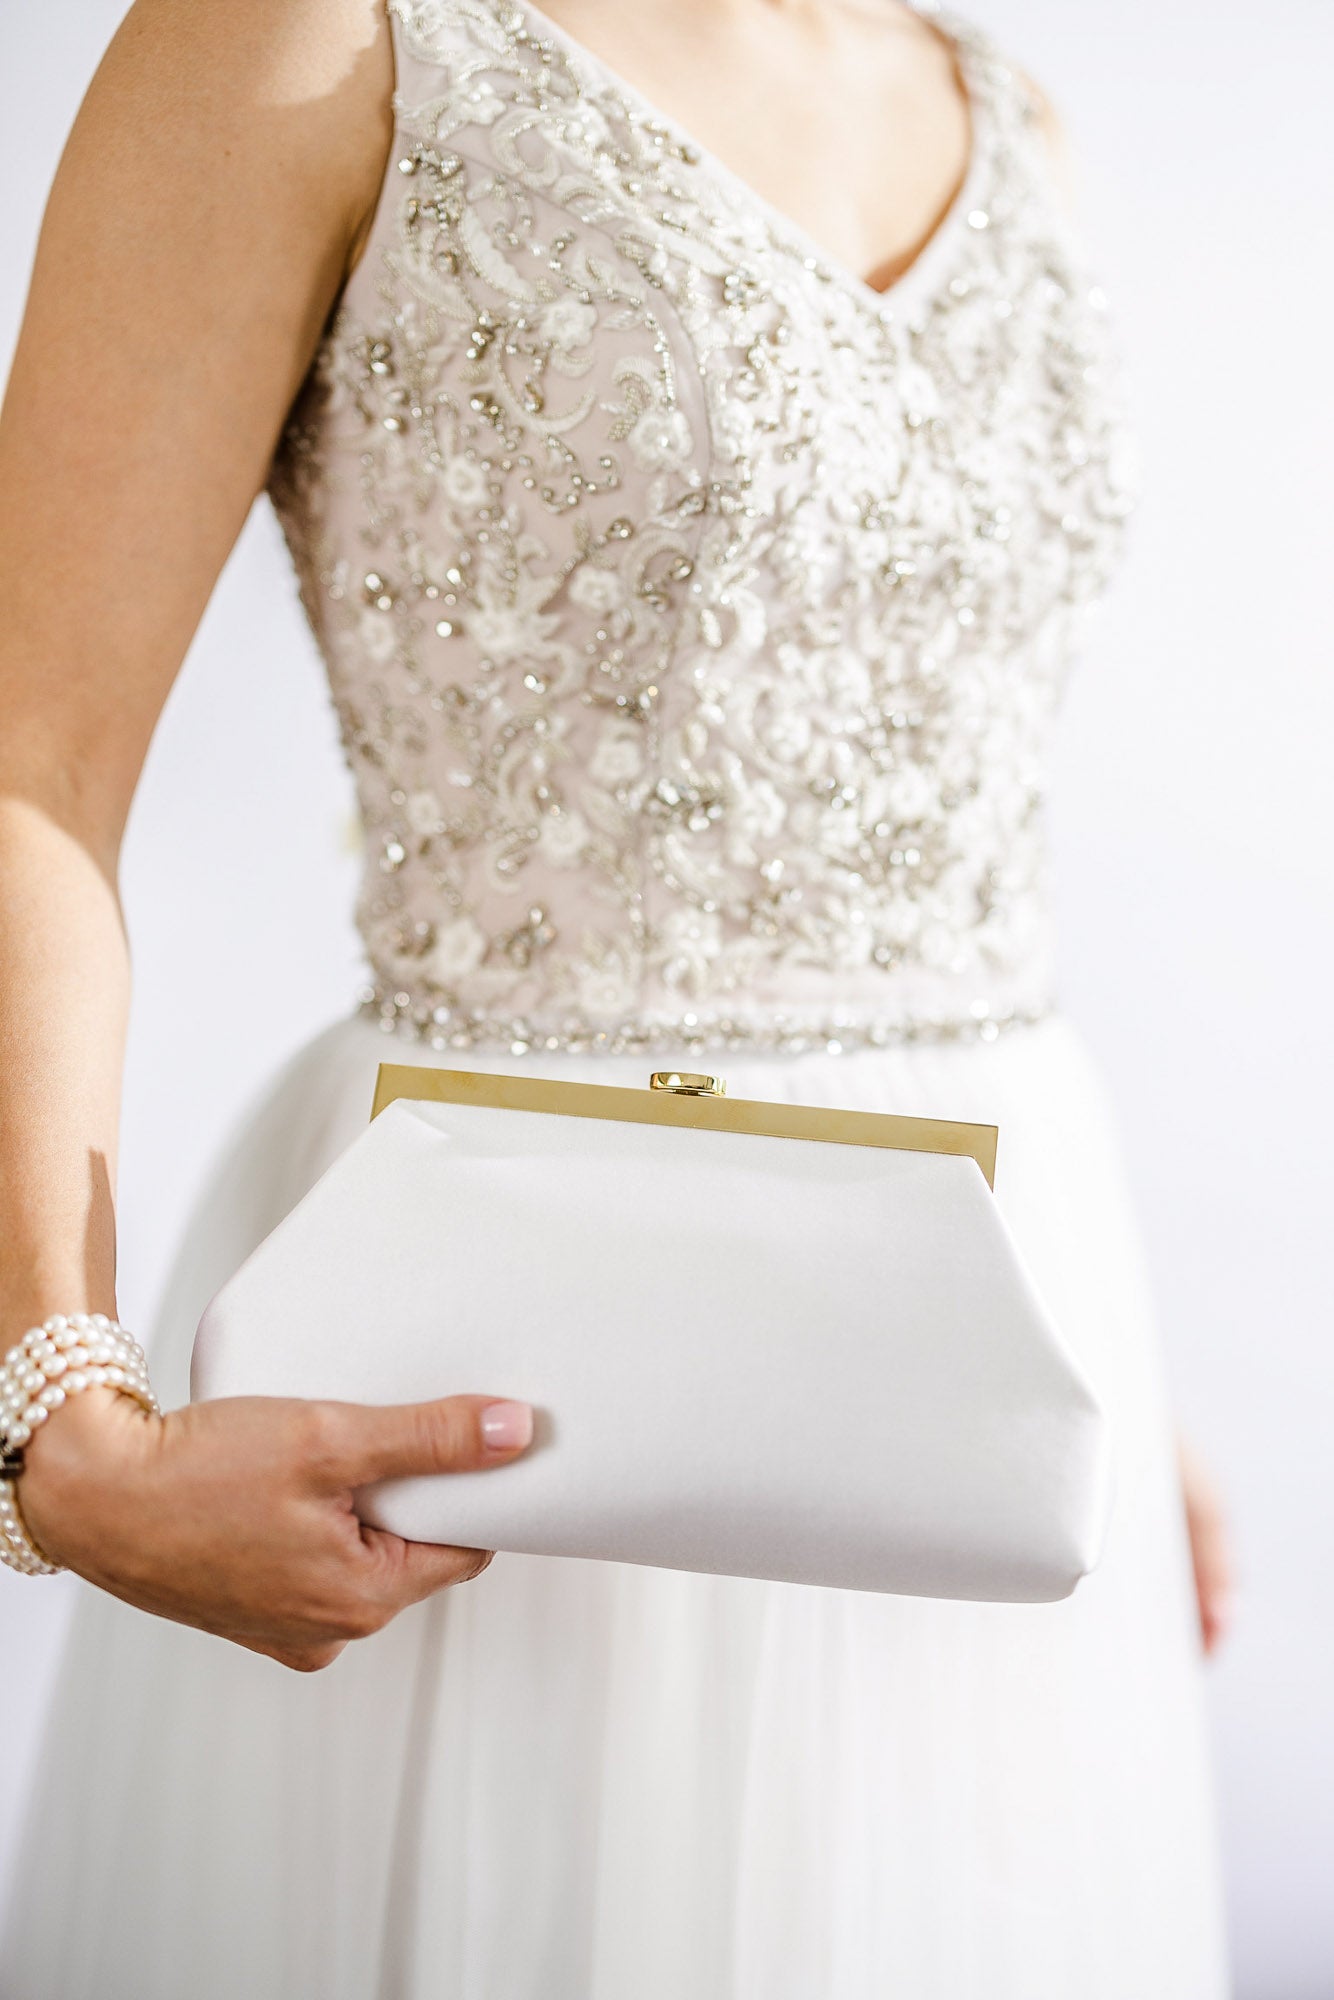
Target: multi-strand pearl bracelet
[{"x": 53, "y": 1361}]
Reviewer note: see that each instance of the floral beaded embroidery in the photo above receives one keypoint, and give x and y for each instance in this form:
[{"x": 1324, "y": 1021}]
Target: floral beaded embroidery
[{"x": 695, "y": 617}]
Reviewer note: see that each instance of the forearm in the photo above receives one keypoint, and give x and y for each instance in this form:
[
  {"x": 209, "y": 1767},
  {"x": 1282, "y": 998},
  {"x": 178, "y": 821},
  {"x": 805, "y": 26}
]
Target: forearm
[{"x": 64, "y": 1002}]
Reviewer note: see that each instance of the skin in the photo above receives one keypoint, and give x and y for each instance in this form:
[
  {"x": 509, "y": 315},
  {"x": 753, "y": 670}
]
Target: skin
[
  {"x": 1210, "y": 1547},
  {"x": 188, "y": 263}
]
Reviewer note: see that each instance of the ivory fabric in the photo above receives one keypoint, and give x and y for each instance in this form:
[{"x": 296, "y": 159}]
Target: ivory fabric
[
  {"x": 696, "y": 621},
  {"x": 762, "y": 1357}
]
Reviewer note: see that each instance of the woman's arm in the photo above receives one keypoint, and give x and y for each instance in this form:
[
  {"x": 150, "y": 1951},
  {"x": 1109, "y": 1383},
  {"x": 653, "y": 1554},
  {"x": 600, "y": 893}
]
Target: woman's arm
[{"x": 213, "y": 194}]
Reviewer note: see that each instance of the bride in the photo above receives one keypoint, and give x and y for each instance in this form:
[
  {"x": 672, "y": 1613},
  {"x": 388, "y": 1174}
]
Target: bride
[{"x": 697, "y": 442}]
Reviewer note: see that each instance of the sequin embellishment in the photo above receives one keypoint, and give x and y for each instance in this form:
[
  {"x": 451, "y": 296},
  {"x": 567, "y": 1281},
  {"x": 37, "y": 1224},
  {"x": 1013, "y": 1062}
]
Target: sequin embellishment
[{"x": 695, "y": 621}]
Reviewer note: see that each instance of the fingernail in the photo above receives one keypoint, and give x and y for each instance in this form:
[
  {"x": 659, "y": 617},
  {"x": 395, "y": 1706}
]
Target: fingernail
[{"x": 505, "y": 1425}]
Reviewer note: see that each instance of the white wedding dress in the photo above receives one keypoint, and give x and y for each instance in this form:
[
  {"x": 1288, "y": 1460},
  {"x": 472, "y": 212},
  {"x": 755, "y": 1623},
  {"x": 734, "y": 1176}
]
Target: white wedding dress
[{"x": 697, "y": 618}]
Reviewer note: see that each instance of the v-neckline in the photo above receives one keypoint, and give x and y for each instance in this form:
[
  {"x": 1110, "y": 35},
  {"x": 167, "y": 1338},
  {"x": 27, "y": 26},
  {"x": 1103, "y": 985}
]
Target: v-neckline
[{"x": 912, "y": 284}]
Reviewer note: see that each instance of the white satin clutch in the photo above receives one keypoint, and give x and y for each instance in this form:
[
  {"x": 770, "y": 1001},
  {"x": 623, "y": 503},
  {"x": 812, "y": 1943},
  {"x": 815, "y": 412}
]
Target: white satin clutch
[{"x": 763, "y": 1340}]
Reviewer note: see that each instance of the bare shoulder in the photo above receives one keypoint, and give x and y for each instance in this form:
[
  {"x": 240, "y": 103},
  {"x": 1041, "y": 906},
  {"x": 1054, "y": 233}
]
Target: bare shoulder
[
  {"x": 309, "y": 81},
  {"x": 306, "y": 46},
  {"x": 1051, "y": 126},
  {"x": 1045, "y": 112}
]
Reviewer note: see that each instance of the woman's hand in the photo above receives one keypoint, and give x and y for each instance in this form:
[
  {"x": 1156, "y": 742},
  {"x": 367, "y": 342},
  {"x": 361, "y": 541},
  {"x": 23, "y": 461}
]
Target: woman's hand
[
  {"x": 237, "y": 1515},
  {"x": 1210, "y": 1547}
]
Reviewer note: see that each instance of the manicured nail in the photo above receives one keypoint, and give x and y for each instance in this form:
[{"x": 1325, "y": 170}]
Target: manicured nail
[{"x": 505, "y": 1425}]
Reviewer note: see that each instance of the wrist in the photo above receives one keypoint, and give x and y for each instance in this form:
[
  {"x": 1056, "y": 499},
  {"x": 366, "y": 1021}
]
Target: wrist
[
  {"x": 71, "y": 1470},
  {"x": 81, "y": 1370}
]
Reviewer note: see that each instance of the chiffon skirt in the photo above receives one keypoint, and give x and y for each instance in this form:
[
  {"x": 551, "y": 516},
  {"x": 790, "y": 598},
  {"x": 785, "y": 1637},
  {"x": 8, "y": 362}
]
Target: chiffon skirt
[{"x": 572, "y": 1780}]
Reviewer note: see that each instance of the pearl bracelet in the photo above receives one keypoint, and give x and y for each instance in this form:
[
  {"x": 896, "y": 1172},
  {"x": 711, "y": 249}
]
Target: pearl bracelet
[{"x": 52, "y": 1362}]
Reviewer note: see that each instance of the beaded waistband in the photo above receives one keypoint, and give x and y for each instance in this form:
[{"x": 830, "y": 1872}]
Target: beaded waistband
[{"x": 833, "y": 1033}]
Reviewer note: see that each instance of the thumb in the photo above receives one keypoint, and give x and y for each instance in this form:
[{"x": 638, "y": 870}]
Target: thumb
[{"x": 451, "y": 1434}]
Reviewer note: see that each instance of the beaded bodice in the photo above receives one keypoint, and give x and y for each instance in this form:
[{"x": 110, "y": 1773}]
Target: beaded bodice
[{"x": 695, "y": 616}]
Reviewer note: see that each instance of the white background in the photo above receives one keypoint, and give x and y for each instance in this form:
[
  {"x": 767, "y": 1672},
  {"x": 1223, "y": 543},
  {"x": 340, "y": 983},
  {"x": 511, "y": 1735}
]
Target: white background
[{"x": 1193, "y": 816}]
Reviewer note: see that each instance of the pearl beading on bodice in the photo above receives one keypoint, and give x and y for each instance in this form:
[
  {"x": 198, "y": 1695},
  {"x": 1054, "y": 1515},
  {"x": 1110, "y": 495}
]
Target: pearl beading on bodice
[{"x": 695, "y": 617}]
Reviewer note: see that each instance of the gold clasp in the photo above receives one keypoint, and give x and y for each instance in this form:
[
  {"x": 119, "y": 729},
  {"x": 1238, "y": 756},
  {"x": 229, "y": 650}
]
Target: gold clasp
[
  {"x": 686, "y": 1084},
  {"x": 485, "y": 1091}
]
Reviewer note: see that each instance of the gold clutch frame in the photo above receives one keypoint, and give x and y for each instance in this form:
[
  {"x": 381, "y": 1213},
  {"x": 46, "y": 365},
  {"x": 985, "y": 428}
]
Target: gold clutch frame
[{"x": 680, "y": 1103}]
